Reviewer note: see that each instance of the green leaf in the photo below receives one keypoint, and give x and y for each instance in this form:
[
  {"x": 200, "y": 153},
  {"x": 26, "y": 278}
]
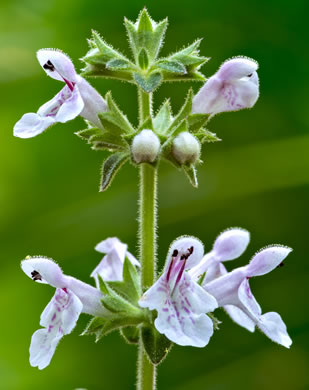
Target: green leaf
[
  {"x": 185, "y": 110},
  {"x": 196, "y": 121},
  {"x": 172, "y": 66},
  {"x": 163, "y": 118},
  {"x": 130, "y": 334},
  {"x": 148, "y": 83},
  {"x": 191, "y": 175},
  {"x": 130, "y": 287},
  {"x": 156, "y": 345},
  {"x": 110, "y": 168},
  {"x": 119, "y": 64},
  {"x": 143, "y": 59},
  {"x": 114, "y": 117}
]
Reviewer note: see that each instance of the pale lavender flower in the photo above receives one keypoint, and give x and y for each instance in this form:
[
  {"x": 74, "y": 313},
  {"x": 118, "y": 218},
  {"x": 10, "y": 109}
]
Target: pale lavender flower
[
  {"x": 111, "y": 266},
  {"x": 235, "y": 86},
  {"x": 233, "y": 289},
  {"x": 78, "y": 97},
  {"x": 72, "y": 297},
  {"x": 180, "y": 302},
  {"x": 229, "y": 245}
]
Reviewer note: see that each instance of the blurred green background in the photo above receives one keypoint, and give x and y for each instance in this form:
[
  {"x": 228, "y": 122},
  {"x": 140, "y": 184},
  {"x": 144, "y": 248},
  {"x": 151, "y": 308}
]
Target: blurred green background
[{"x": 257, "y": 178}]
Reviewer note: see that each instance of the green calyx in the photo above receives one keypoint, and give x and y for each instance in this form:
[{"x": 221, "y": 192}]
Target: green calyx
[{"x": 146, "y": 69}]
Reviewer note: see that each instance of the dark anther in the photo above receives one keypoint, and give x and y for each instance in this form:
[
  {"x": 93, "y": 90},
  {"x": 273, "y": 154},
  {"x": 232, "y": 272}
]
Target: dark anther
[
  {"x": 249, "y": 75},
  {"x": 183, "y": 257},
  {"x": 36, "y": 276},
  {"x": 49, "y": 66},
  {"x": 280, "y": 265},
  {"x": 191, "y": 250},
  {"x": 175, "y": 253}
]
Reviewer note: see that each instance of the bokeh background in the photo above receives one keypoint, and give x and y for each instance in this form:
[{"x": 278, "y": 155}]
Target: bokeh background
[{"x": 257, "y": 178}]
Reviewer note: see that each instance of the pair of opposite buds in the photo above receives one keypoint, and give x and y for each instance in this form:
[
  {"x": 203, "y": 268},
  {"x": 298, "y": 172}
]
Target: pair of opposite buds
[{"x": 233, "y": 87}]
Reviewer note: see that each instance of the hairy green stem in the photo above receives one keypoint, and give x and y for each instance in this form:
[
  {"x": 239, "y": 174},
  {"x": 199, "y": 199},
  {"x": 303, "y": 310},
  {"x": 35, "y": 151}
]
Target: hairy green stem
[
  {"x": 146, "y": 371},
  {"x": 144, "y": 105}
]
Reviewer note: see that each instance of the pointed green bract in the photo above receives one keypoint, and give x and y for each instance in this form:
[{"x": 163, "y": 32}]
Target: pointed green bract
[
  {"x": 163, "y": 119},
  {"x": 101, "y": 327},
  {"x": 108, "y": 141},
  {"x": 191, "y": 175},
  {"x": 147, "y": 124},
  {"x": 156, "y": 345},
  {"x": 172, "y": 66},
  {"x": 103, "y": 60},
  {"x": 130, "y": 334},
  {"x": 149, "y": 82},
  {"x": 111, "y": 167},
  {"x": 107, "y": 51},
  {"x": 130, "y": 286},
  {"x": 190, "y": 55},
  {"x": 196, "y": 121},
  {"x": 143, "y": 59},
  {"x": 204, "y": 136},
  {"x": 119, "y": 64},
  {"x": 86, "y": 134},
  {"x": 185, "y": 110},
  {"x": 114, "y": 116},
  {"x": 100, "y": 70},
  {"x": 147, "y": 34}
]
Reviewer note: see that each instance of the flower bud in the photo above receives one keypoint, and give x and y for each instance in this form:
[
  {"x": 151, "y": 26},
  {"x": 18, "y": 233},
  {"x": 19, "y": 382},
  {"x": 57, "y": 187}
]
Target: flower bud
[
  {"x": 235, "y": 86},
  {"x": 145, "y": 146},
  {"x": 186, "y": 148}
]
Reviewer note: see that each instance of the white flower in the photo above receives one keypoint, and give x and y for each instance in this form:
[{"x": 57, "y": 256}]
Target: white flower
[
  {"x": 235, "y": 86},
  {"x": 233, "y": 289},
  {"x": 78, "y": 97},
  {"x": 180, "y": 302},
  {"x": 72, "y": 297},
  {"x": 111, "y": 266}
]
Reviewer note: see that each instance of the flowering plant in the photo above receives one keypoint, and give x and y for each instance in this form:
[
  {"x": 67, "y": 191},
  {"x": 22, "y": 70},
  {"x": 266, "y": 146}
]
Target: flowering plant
[{"x": 176, "y": 307}]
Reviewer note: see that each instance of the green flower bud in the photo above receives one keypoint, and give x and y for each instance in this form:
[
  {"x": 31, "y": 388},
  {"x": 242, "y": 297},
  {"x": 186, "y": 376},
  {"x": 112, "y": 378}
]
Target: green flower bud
[
  {"x": 186, "y": 148},
  {"x": 145, "y": 146}
]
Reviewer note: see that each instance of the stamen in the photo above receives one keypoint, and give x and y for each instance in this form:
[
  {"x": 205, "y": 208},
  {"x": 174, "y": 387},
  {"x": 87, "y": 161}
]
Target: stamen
[
  {"x": 174, "y": 255},
  {"x": 184, "y": 257},
  {"x": 49, "y": 66},
  {"x": 280, "y": 265},
  {"x": 69, "y": 84},
  {"x": 36, "y": 275}
]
